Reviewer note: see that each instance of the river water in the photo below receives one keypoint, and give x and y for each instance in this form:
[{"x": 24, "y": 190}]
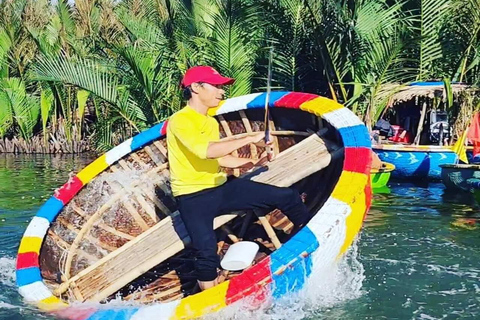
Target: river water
[{"x": 415, "y": 258}]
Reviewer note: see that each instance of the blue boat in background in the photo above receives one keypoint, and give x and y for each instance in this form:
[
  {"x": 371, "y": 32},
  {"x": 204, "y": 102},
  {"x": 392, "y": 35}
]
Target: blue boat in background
[
  {"x": 415, "y": 128},
  {"x": 416, "y": 162}
]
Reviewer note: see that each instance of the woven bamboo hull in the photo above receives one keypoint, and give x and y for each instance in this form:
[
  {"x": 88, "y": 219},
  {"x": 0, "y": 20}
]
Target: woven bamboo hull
[
  {"x": 457, "y": 176},
  {"x": 416, "y": 162},
  {"x": 124, "y": 195}
]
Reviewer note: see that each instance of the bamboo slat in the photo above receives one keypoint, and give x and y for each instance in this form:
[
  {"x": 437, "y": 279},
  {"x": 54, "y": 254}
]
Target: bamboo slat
[
  {"x": 271, "y": 234},
  {"x": 228, "y": 132},
  {"x": 290, "y": 165},
  {"x": 273, "y": 133},
  {"x": 101, "y": 225},
  {"x": 161, "y": 148},
  {"x": 155, "y": 158},
  {"x": 66, "y": 245},
  {"x": 276, "y": 147},
  {"x": 169, "y": 236},
  {"x": 128, "y": 204},
  {"x": 140, "y": 162},
  {"x": 151, "y": 195},
  {"x": 88, "y": 237},
  {"x": 124, "y": 165},
  {"x": 248, "y": 129},
  {"x": 137, "y": 196},
  {"x": 86, "y": 228}
]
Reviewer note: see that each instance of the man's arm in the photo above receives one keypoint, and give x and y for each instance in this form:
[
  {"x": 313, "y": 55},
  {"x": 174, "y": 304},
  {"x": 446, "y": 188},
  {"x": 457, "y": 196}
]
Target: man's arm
[
  {"x": 218, "y": 149},
  {"x": 230, "y": 161},
  {"x": 233, "y": 162},
  {"x": 204, "y": 149}
]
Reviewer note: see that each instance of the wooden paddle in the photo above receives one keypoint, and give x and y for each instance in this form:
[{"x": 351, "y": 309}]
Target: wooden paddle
[{"x": 268, "y": 143}]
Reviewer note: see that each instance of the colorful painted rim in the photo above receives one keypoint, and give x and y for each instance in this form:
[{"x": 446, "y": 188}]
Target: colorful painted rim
[
  {"x": 330, "y": 232},
  {"x": 410, "y": 148}
]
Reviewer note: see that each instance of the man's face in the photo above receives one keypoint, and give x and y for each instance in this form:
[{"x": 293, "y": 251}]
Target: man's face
[{"x": 209, "y": 94}]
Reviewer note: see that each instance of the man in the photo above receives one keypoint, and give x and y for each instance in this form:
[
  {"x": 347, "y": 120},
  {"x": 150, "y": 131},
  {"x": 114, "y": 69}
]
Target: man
[{"x": 195, "y": 155}]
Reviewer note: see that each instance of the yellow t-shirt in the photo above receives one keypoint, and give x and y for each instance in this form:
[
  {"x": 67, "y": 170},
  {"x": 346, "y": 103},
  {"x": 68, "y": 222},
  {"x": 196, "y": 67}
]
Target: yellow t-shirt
[{"x": 188, "y": 135}]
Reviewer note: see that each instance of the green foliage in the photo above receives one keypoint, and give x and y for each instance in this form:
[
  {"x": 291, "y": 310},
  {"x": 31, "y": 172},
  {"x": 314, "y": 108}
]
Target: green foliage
[
  {"x": 429, "y": 21},
  {"x": 46, "y": 104},
  {"x": 24, "y": 107},
  {"x": 106, "y": 69}
]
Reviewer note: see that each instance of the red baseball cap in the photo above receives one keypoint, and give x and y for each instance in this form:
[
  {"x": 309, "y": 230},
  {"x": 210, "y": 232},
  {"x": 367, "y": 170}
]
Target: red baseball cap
[{"x": 204, "y": 74}]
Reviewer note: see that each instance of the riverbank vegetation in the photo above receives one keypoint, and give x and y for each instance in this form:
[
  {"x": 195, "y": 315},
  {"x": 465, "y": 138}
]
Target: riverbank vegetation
[{"x": 88, "y": 75}]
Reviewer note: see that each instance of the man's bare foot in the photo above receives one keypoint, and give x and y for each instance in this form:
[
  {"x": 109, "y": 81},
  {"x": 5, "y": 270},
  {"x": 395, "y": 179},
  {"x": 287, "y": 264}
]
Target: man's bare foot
[{"x": 204, "y": 285}]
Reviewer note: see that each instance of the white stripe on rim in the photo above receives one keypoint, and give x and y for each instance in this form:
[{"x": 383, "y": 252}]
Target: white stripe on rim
[
  {"x": 37, "y": 228},
  {"x": 237, "y": 103},
  {"x": 119, "y": 151},
  {"x": 342, "y": 118},
  {"x": 35, "y": 292}
]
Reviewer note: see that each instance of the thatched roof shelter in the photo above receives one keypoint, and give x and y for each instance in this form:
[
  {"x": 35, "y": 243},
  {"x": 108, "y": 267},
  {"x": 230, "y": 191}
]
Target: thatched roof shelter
[
  {"x": 426, "y": 90},
  {"x": 423, "y": 94}
]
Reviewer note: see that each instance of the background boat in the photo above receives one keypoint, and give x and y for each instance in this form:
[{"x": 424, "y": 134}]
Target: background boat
[
  {"x": 457, "y": 176},
  {"x": 416, "y": 162},
  {"x": 425, "y": 116},
  {"x": 381, "y": 176}
]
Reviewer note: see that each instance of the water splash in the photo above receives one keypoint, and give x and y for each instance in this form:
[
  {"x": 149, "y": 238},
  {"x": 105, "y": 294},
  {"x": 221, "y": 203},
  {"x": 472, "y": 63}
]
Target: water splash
[
  {"x": 328, "y": 286},
  {"x": 7, "y": 271}
]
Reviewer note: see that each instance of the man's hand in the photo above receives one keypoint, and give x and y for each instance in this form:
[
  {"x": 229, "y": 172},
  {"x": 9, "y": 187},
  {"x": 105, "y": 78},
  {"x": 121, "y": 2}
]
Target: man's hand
[
  {"x": 262, "y": 160},
  {"x": 259, "y": 139}
]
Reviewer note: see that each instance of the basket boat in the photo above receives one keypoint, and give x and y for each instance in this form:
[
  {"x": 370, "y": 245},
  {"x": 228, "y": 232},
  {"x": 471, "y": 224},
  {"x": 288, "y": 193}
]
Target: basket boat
[
  {"x": 414, "y": 162},
  {"x": 460, "y": 176},
  {"x": 381, "y": 176},
  {"x": 113, "y": 230}
]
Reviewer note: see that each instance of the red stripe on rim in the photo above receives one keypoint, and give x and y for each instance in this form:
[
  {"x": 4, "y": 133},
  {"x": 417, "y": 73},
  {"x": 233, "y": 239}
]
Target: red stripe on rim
[
  {"x": 27, "y": 260},
  {"x": 294, "y": 100},
  {"x": 75, "y": 313},
  {"x": 164, "y": 128},
  {"x": 68, "y": 190},
  {"x": 368, "y": 198},
  {"x": 353, "y": 160},
  {"x": 253, "y": 280}
]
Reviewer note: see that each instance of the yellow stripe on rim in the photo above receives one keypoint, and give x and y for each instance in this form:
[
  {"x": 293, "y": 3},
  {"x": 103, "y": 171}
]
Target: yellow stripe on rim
[
  {"x": 349, "y": 181},
  {"x": 93, "y": 169},
  {"x": 320, "y": 105},
  {"x": 213, "y": 111},
  {"x": 30, "y": 244},
  {"x": 355, "y": 220},
  {"x": 51, "y": 304},
  {"x": 208, "y": 301}
]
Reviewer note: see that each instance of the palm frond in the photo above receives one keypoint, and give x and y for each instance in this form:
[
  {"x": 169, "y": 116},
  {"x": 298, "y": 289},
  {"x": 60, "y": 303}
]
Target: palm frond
[
  {"x": 25, "y": 107},
  {"x": 6, "y": 114},
  {"x": 235, "y": 47},
  {"x": 432, "y": 13}
]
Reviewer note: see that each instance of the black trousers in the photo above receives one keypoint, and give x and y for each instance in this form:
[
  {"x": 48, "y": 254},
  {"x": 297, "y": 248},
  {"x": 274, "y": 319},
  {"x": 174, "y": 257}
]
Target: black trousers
[{"x": 200, "y": 208}]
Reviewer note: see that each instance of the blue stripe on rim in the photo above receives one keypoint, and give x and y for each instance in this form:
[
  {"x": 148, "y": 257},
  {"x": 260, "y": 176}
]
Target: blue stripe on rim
[
  {"x": 259, "y": 101},
  {"x": 146, "y": 136},
  {"x": 50, "y": 209},
  {"x": 28, "y": 276}
]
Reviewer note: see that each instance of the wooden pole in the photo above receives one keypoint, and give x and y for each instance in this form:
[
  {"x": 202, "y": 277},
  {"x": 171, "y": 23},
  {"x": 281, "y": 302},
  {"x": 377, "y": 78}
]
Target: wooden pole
[
  {"x": 267, "y": 114},
  {"x": 420, "y": 124}
]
